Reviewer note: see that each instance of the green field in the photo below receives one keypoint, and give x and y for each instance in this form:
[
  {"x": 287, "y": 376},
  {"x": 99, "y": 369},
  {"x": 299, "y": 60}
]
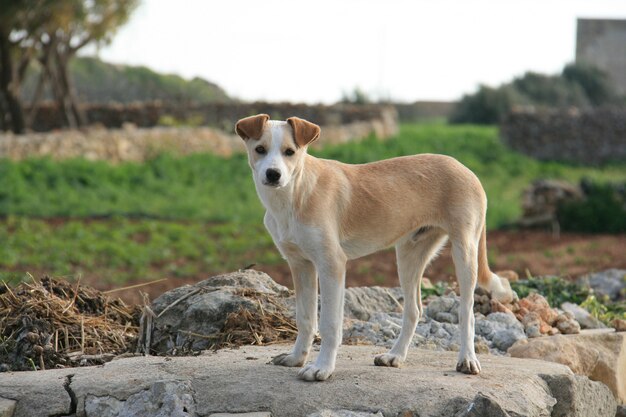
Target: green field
[{"x": 196, "y": 215}]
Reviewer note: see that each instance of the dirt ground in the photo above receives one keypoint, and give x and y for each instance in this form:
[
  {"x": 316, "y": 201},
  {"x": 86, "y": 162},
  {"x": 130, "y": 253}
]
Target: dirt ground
[{"x": 538, "y": 252}]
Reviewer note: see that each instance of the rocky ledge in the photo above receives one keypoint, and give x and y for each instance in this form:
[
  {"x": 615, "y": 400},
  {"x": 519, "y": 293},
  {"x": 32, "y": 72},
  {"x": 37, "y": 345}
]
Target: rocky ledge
[{"x": 241, "y": 381}]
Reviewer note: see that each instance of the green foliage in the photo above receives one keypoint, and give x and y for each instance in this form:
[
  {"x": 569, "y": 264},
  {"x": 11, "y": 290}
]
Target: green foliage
[
  {"x": 602, "y": 211},
  {"x": 356, "y": 96},
  {"x": 578, "y": 85},
  {"x": 184, "y": 216},
  {"x": 118, "y": 249},
  {"x": 605, "y": 311},
  {"x": 438, "y": 289},
  {"x": 100, "y": 82},
  {"x": 556, "y": 290}
]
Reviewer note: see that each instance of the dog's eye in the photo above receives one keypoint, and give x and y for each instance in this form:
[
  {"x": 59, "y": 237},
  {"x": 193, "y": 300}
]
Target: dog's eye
[
  {"x": 289, "y": 152},
  {"x": 260, "y": 149}
]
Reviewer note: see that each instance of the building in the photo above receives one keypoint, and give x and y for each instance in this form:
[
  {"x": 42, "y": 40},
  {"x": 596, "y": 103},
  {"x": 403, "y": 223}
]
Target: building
[{"x": 602, "y": 43}]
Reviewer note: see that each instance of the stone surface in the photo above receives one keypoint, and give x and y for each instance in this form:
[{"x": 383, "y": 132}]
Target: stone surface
[
  {"x": 582, "y": 316},
  {"x": 610, "y": 283},
  {"x": 259, "y": 414},
  {"x": 344, "y": 413},
  {"x": 7, "y": 407},
  {"x": 242, "y": 381},
  {"x": 187, "y": 316},
  {"x": 598, "y": 354},
  {"x": 538, "y": 318},
  {"x": 362, "y": 302},
  {"x": 502, "y": 329}
]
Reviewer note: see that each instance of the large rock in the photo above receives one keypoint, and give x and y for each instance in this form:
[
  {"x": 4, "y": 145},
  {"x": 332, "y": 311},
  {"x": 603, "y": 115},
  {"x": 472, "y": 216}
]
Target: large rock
[
  {"x": 582, "y": 316},
  {"x": 241, "y": 381},
  {"x": 188, "y": 317},
  {"x": 362, "y": 302},
  {"x": 598, "y": 354},
  {"x": 610, "y": 283}
]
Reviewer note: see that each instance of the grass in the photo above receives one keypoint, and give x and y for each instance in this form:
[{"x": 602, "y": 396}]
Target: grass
[{"x": 199, "y": 214}]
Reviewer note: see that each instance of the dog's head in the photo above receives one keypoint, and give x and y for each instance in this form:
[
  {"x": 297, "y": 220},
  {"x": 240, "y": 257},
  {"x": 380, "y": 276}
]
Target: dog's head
[{"x": 275, "y": 148}]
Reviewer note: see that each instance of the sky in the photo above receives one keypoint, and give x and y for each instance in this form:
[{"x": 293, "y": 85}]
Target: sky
[{"x": 315, "y": 51}]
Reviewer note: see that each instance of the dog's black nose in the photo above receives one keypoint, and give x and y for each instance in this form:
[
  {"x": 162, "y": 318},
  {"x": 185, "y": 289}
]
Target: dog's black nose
[{"x": 272, "y": 175}]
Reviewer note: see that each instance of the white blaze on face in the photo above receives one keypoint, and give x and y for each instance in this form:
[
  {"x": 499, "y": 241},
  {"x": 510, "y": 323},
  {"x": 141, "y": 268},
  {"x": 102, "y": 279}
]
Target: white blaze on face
[{"x": 274, "y": 159}]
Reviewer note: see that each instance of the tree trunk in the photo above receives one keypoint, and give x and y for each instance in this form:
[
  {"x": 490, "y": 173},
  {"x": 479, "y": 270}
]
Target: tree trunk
[
  {"x": 8, "y": 86},
  {"x": 70, "y": 99}
]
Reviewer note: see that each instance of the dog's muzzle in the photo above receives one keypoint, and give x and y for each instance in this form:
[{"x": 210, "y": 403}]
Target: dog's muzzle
[{"x": 272, "y": 176}]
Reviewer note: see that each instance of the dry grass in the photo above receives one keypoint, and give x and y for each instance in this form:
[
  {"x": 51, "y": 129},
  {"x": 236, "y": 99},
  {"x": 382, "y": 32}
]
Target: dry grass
[{"x": 52, "y": 323}]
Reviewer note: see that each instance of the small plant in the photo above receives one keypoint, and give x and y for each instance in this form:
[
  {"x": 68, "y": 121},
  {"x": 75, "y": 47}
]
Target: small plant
[
  {"x": 556, "y": 289},
  {"x": 604, "y": 310},
  {"x": 437, "y": 289}
]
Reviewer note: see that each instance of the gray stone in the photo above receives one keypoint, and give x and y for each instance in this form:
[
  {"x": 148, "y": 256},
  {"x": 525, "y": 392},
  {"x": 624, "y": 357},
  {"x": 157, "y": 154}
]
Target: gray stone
[
  {"x": 162, "y": 399},
  {"x": 362, "y": 302},
  {"x": 576, "y": 395},
  {"x": 502, "y": 329},
  {"x": 187, "y": 316},
  {"x": 440, "y": 307},
  {"x": 582, "y": 316},
  {"x": 44, "y": 390},
  {"x": 345, "y": 413},
  {"x": 7, "y": 407},
  {"x": 241, "y": 381},
  {"x": 255, "y": 414},
  {"x": 611, "y": 283}
]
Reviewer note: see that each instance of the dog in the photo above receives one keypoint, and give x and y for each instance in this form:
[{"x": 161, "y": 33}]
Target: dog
[{"x": 322, "y": 213}]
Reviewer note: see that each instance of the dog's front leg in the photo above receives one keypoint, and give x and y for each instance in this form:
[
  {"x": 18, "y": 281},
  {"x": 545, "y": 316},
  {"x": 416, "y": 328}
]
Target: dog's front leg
[
  {"x": 305, "y": 285},
  {"x": 332, "y": 274}
]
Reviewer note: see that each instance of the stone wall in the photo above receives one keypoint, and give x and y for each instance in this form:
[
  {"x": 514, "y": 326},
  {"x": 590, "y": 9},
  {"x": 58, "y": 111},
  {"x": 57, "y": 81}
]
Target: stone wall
[
  {"x": 589, "y": 137},
  {"x": 220, "y": 115},
  {"x": 131, "y": 143},
  {"x": 424, "y": 110}
]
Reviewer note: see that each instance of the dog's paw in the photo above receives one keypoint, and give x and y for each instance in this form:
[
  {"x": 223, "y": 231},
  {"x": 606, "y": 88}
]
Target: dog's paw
[
  {"x": 468, "y": 364},
  {"x": 387, "y": 359},
  {"x": 288, "y": 359},
  {"x": 312, "y": 372}
]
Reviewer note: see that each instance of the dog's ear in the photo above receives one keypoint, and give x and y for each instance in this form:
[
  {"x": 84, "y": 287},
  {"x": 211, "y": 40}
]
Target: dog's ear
[
  {"x": 304, "y": 132},
  {"x": 251, "y": 127}
]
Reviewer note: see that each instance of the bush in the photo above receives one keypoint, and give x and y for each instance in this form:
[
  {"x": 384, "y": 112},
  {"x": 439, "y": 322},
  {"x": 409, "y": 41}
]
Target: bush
[
  {"x": 578, "y": 86},
  {"x": 602, "y": 211}
]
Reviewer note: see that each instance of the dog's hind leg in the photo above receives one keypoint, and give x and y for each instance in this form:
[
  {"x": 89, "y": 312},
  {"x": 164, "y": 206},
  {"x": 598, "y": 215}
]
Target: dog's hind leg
[
  {"x": 413, "y": 255},
  {"x": 305, "y": 286},
  {"x": 465, "y": 256}
]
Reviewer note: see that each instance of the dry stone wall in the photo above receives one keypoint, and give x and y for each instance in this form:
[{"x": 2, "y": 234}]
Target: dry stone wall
[
  {"x": 590, "y": 137},
  {"x": 132, "y": 143},
  {"x": 220, "y": 115}
]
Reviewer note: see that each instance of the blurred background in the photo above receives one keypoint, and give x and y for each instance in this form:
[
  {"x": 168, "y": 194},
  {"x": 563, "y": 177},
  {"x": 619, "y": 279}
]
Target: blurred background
[{"x": 119, "y": 164}]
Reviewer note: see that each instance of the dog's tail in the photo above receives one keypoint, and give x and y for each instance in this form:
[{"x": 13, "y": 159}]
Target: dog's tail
[{"x": 500, "y": 287}]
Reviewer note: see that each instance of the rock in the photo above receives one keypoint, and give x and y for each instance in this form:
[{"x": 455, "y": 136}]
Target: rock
[
  {"x": 256, "y": 414},
  {"x": 566, "y": 324},
  {"x": 598, "y": 354},
  {"x": 241, "y": 381},
  {"x": 619, "y": 325},
  {"x": 539, "y": 318},
  {"x": 597, "y": 400},
  {"x": 444, "y": 309},
  {"x": 361, "y": 302},
  {"x": 188, "y": 316},
  {"x": 7, "y": 407},
  {"x": 582, "y": 316},
  {"x": 162, "y": 399},
  {"x": 610, "y": 283},
  {"x": 344, "y": 413},
  {"x": 541, "y": 200},
  {"x": 502, "y": 329},
  {"x": 621, "y": 411},
  {"x": 45, "y": 391}
]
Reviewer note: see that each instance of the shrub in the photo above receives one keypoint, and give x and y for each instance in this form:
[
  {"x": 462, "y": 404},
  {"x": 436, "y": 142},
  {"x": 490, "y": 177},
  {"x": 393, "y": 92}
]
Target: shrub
[{"x": 602, "y": 211}]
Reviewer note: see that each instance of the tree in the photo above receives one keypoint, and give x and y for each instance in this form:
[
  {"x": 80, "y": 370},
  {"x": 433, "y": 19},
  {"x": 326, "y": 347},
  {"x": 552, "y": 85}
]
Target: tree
[{"x": 53, "y": 31}]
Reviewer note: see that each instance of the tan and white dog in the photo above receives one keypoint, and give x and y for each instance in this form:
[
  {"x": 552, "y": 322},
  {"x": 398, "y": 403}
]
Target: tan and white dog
[{"x": 322, "y": 213}]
